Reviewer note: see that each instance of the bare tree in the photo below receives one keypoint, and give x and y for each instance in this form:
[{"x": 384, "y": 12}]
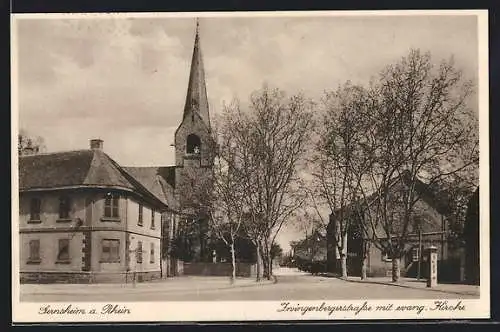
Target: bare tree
[
  {"x": 418, "y": 127},
  {"x": 274, "y": 133},
  {"x": 227, "y": 192},
  {"x": 334, "y": 183},
  {"x": 28, "y": 145}
]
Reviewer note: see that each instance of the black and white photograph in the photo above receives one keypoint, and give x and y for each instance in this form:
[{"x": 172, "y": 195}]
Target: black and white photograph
[{"x": 250, "y": 166}]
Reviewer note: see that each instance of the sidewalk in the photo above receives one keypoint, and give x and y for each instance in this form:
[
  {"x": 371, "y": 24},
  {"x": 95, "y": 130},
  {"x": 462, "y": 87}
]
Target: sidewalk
[
  {"x": 459, "y": 289},
  {"x": 170, "y": 285}
]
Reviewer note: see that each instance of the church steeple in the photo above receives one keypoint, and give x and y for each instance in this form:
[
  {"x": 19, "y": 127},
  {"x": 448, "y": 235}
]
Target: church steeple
[{"x": 196, "y": 98}]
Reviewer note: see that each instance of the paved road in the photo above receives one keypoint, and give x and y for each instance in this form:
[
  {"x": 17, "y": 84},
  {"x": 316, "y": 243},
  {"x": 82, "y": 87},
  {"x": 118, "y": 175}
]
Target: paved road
[{"x": 290, "y": 286}]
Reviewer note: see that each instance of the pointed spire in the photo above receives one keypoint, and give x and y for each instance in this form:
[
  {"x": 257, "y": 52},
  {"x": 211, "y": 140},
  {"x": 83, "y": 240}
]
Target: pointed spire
[{"x": 196, "y": 98}]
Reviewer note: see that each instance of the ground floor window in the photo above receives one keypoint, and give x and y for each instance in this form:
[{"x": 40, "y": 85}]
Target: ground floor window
[
  {"x": 63, "y": 251},
  {"x": 34, "y": 251},
  {"x": 110, "y": 251},
  {"x": 139, "y": 252},
  {"x": 152, "y": 254}
]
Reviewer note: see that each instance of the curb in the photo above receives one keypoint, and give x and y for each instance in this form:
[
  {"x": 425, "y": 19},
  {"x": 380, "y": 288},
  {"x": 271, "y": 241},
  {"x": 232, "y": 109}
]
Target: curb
[{"x": 406, "y": 286}]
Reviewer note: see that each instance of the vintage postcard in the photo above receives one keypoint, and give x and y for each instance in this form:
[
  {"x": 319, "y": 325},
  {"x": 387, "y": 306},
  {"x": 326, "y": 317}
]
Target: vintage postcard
[{"x": 250, "y": 166}]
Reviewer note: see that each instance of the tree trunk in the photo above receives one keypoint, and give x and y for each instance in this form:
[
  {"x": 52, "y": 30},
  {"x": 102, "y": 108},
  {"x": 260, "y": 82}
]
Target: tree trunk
[
  {"x": 364, "y": 260},
  {"x": 270, "y": 267},
  {"x": 396, "y": 271},
  {"x": 259, "y": 262},
  {"x": 265, "y": 254},
  {"x": 343, "y": 265},
  {"x": 364, "y": 267},
  {"x": 233, "y": 263},
  {"x": 265, "y": 260}
]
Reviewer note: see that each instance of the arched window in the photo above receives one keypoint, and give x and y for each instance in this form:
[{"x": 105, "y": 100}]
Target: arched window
[{"x": 193, "y": 144}]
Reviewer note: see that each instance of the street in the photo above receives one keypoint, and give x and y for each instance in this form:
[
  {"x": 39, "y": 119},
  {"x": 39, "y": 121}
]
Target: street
[{"x": 291, "y": 285}]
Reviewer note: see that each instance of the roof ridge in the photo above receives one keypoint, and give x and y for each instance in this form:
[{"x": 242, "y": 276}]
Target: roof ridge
[
  {"x": 52, "y": 153},
  {"x": 151, "y": 166}
]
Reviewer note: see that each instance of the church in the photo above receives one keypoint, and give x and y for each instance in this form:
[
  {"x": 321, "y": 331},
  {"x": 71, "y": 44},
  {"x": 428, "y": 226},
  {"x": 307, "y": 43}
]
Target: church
[{"x": 85, "y": 218}]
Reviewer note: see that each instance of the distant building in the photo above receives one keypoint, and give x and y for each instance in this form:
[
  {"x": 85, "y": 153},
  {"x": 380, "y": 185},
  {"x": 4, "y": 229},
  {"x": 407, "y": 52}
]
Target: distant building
[
  {"x": 311, "y": 248},
  {"x": 430, "y": 226}
]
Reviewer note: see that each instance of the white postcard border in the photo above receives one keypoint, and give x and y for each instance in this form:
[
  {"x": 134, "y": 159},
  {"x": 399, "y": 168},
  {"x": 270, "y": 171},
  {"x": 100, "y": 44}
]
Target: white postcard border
[{"x": 262, "y": 310}]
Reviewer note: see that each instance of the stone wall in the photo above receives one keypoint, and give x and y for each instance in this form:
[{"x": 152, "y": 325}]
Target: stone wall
[{"x": 86, "y": 277}]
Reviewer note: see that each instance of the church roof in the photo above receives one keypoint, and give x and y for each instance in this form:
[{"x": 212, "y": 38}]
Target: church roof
[
  {"x": 158, "y": 180},
  {"x": 196, "y": 97},
  {"x": 432, "y": 196},
  {"x": 78, "y": 169}
]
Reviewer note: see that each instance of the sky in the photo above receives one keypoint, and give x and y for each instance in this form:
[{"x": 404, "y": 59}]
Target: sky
[{"x": 124, "y": 80}]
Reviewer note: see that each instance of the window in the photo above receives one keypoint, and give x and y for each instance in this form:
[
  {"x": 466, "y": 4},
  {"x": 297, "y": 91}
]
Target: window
[
  {"x": 111, "y": 206},
  {"x": 110, "y": 251},
  {"x": 193, "y": 144},
  {"x": 139, "y": 252},
  {"x": 152, "y": 254},
  {"x": 34, "y": 251},
  {"x": 152, "y": 219},
  {"x": 139, "y": 220},
  {"x": 64, "y": 207},
  {"x": 35, "y": 205},
  {"x": 63, "y": 252}
]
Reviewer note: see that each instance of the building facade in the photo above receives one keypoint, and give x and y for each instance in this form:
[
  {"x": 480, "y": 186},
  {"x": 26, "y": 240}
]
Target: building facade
[
  {"x": 84, "y": 218},
  {"x": 429, "y": 227}
]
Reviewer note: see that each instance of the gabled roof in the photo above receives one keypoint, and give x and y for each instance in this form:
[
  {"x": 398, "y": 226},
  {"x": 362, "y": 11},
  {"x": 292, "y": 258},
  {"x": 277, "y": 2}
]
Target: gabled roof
[
  {"x": 432, "y": 196},
  {"x": 83, "y": 168},
  {"x": 158, "y": 180}
]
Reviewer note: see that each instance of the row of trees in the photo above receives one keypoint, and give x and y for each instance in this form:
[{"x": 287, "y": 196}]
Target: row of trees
[
  {"x": 255, "y": 187},
  {"x": 380, "y": 141},
  {"x": 411, "y": 122}
]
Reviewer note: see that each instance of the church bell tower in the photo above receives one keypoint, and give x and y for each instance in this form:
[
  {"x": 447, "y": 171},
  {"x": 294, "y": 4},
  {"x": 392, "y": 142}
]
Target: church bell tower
[{"x": 193, "y": 153}]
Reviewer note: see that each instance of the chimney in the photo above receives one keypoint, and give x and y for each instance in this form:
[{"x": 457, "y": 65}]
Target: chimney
[{"x": 96, "y": 144}]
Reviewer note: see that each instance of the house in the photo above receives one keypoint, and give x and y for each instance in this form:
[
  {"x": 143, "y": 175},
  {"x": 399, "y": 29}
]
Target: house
[
  {"x": 310, "y": 253},
  {"x": 429, "y": 226},
  {"x": 85, "y": 218}
]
